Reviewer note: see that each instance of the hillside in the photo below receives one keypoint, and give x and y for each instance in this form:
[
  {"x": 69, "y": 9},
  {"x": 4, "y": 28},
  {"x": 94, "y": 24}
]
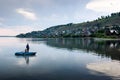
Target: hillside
[{"x": 106, "y": 26}]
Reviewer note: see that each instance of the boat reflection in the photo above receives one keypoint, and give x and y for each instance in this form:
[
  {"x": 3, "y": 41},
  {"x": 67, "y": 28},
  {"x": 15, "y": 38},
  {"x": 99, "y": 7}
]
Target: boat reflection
[{"x": 26, "y": 57}]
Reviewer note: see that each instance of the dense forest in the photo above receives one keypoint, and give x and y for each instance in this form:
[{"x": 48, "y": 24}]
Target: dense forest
[{"x": 105, "y": 26}]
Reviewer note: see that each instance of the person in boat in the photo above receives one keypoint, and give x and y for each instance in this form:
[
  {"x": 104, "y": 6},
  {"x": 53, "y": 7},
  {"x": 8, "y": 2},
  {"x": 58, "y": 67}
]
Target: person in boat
[{"x": 27, "y": 48}]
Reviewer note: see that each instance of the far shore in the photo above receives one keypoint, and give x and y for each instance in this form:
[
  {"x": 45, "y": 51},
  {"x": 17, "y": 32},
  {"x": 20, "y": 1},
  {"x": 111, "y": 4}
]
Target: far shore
[
  {"x": 7, "y": 36},
  {"x": 106, "y": 39},
  {"x": 95, "y": 38}
]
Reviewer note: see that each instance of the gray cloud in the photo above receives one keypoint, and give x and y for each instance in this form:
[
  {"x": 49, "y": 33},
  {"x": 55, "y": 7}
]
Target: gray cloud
[
  {"x": 44, "y": 13},
  {"x": 7, "y": 6}
]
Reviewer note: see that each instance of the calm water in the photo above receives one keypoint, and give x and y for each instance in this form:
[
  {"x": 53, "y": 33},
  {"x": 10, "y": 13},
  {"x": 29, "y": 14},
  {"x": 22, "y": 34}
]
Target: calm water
[{"x": 56, "y": 59}]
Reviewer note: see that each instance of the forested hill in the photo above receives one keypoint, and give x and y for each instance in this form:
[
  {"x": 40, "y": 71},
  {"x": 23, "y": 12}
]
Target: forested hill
[{"x": 104, "y": 26}]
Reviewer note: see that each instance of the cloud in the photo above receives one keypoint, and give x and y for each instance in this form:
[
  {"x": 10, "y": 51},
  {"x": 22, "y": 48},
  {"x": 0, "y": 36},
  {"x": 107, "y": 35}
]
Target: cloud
[
  {"x": 56, "y": 18},
  {"x": 27, "y": 14},
  {"x": 1, "y": 19},
  {"x": 104, "y": 5},
  {"x": 1, "y": 23}
]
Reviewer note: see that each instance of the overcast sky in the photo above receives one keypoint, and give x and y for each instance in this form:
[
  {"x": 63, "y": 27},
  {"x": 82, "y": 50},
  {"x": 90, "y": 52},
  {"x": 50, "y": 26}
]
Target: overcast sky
[{"x": 21, "y": 16}]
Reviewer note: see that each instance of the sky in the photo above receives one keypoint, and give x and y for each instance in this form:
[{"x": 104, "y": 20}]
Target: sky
[{"x": 22, "y": 16}]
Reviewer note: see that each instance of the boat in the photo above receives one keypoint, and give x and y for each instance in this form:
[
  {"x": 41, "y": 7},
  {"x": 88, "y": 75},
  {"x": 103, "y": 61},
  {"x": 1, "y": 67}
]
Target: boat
[{"x": 25, "y": 53}]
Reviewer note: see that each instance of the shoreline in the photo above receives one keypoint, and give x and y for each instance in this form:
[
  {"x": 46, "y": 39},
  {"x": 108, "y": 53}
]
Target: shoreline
[
  {"x": 95, "y": 38},
  {"x": 106, "y": 39}
]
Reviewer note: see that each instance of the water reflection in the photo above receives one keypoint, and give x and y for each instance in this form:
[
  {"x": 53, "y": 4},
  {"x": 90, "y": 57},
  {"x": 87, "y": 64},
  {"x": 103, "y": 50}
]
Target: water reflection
[
  {"x": 57, "y": 59},
  {"x": 111, "y": 68},
  {"x": 103, "y": 48},
  {"x": 26, "y": 57}
]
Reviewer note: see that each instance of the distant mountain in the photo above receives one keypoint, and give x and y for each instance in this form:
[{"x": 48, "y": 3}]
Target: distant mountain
[
  {"x": 106, "y": 26},
  {"x": 7, "y": 36}
]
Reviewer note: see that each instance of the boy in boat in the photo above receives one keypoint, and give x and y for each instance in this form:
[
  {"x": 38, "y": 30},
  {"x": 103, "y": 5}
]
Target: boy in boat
[{"x": 27, "y": 48}]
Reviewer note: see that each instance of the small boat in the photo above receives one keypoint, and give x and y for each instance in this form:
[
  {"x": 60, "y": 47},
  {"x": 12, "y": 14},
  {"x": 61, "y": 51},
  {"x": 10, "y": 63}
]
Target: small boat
[{"x": 25, "y": 53}]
